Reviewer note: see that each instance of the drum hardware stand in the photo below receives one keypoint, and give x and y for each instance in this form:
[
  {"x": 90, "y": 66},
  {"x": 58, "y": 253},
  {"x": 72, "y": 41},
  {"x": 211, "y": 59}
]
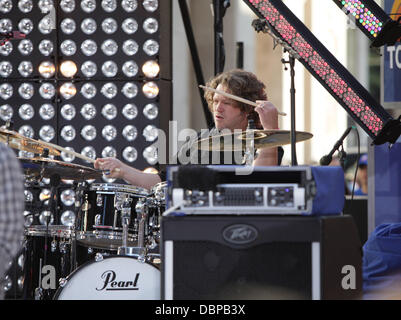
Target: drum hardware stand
[
  {"x": 249, "y": 155},
  {"x": 140, "y": 250},
  {"x": 39, "y": 290},
  {"x": 80, "y": 187}
]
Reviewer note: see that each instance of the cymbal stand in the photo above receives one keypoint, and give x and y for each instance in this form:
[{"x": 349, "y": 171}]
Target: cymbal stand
[
  {"x": 291, "y": 62},
  {"x": 265, "y": 27},
  {"x": 249, "y": 155}
]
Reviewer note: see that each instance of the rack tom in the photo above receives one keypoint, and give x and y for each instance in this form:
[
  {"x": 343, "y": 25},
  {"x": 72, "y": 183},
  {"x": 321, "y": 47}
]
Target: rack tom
[{"x": 100, "y": 222}]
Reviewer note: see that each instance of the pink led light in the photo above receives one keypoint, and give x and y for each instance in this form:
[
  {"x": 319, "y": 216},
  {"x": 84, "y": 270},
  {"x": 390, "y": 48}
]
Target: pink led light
[{"x": 319, "y": 65}]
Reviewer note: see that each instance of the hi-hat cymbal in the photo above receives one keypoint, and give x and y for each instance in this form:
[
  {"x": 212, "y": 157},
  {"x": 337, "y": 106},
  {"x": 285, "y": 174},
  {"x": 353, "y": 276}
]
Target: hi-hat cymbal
[
  {"x": 238, "y": 141},
  {"x": 46, "y": 168},
  {"x": 18, "y": 141}
]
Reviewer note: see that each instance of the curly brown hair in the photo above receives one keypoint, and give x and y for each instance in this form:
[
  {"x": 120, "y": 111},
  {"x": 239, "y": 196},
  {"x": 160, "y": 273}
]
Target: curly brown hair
[{"x": 240, "y": 83}]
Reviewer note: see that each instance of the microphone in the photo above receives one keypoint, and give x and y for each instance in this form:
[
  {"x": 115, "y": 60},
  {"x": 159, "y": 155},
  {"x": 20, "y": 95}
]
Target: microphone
[
  {"x": 325, "y": 160},
  {"x": 12, "y": 35}
]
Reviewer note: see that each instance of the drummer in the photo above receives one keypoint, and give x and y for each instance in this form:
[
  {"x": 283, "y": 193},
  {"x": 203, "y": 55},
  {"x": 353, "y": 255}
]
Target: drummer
[{"x": 228, "y": 114}]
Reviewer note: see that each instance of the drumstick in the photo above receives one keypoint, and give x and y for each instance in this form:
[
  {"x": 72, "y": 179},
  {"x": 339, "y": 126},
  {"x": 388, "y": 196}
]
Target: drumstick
[
  {"x": 78, "y": 155},
  {"x": 237, "y": 98}
]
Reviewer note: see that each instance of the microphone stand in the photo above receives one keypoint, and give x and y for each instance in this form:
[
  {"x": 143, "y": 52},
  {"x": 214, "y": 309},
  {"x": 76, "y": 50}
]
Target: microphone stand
[
  {"x": 261, "y": 25},
  {"x": 291, "y": 62}
]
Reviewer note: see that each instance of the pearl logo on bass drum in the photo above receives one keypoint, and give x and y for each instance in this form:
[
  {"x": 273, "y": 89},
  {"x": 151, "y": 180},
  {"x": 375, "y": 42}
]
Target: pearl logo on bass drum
[
  {"x": 240, "y": 234},
  {"x": 112, "y": 278},
  {"x": 111, "y": 284}
]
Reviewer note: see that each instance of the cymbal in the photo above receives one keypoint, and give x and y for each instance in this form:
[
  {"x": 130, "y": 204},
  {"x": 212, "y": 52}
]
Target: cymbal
[
  {"x": 237, "y": 141},
  {"x": 18, "y": 141},
  {"x": 46, "y": 168}
]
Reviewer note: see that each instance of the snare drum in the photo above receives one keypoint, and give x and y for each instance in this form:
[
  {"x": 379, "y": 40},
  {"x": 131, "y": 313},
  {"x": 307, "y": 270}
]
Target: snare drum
[
  {"x": 47, "y": 257},
  {"x": 112, "y": 278},
  {"x": 99, "y": 223}
]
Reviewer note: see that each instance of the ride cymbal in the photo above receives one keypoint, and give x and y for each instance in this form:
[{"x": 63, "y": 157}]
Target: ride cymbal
[
  {"x": 237, "y": 140},
  {"x": 46, "y": 168},
  {"x": 18, "y": 141}
]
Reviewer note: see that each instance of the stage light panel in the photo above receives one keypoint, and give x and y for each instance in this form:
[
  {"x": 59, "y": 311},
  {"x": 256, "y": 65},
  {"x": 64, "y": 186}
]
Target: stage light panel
[
  {"x": 89, "y": 76},
  {"x": 366, "y": 14},
  {"x": 336, "y": 79}
]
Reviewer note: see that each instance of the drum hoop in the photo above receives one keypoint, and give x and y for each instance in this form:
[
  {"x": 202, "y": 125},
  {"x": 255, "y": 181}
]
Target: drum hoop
[
  {"x": 158, "y": 186},
  {"x": 107, "y": 187},
  {"x": 52, "y": 230},
  {"x": 104, "y": 235},
  {"x": 87, "y": 263}
]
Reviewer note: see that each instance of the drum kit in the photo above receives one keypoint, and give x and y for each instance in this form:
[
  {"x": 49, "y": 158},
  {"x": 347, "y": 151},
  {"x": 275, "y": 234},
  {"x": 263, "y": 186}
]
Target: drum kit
[{"x": 110, "y": 250}]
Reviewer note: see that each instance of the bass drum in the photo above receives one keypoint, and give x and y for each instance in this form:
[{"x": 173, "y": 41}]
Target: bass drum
[{"x": 112, "y": 278}]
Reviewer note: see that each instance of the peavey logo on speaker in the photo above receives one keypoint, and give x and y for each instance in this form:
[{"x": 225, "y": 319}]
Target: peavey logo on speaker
[
  {"x": 240, "y": 234},
  {"x": 111, "y": 284}
]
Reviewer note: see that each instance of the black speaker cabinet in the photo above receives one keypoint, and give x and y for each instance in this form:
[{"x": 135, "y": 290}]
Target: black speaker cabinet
[{"x": 247, "y": 257}]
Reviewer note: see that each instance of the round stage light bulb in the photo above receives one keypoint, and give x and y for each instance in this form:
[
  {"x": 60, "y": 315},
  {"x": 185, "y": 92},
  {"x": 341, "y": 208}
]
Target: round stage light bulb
[
  {"x": 151, "y": 47},
  {"x": 88, "y": 90},
  {"x": 47, "y": 133},
  {"x": 67, "y": 157},
  {"x": 130, "y": 132},
  {"x": 89, "y": 68},
  {"x": 44, "y": 195},
  {"x": 68, "y": 68},
  {"x": 24, "y": 5},
  {"x": 28, "y": 218},
  {"x": 150, "y": 69},
  {"x": 150, "y": 132},
  {"x": 109, "y": 132},
  {"x": 68, "y": 90},
  {"x": 68, "y": 197},
  {"x": 88, "y": 132},
  {"x": 6, "y": 48},
  {"x": 150, "y": 90},
  {"x": 46, "y": 217},
  {"x": 109, "y": 152},
  {"x": 130, "y": 154},
  {"x": 26, "y": 112},
  {"x": 89, "y": 152},
  {"x": 130, "y": 90},
  {"x": 109, "y": 90},
  {"x": 47, "y": 91},
  {"x": 88, "y": 111},
  {"x": 68, "y": 218},
  {"x": 28, "y": 196},
  {"x": 26, "y": 131},
  {"x": 6, "y": 69},
  {"x": 150, "y": 155},
  {"x": 26, "y": 91},
  {"x": 151, "y": 170},
  {"x": 6, "y": 91},
  {"x": 130, "y": 47},
  {"x": 46, "y": 47},
  {"x": 150, "y": 25},
  {"x": 109, "y": 111},
  {"x": 130, "y": 111},
  {"x": 46, "y": 111},
  {"x": 68, "y": 133},
  {"x": 6, "y": 112},
  {"x": 151, "y": 111},
  {"x": 68, "y": 111},
  {"x": 47, "y": 69}
]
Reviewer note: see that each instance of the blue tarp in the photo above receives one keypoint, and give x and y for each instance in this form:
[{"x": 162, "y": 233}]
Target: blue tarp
[{"x": 382, "y": 263}]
